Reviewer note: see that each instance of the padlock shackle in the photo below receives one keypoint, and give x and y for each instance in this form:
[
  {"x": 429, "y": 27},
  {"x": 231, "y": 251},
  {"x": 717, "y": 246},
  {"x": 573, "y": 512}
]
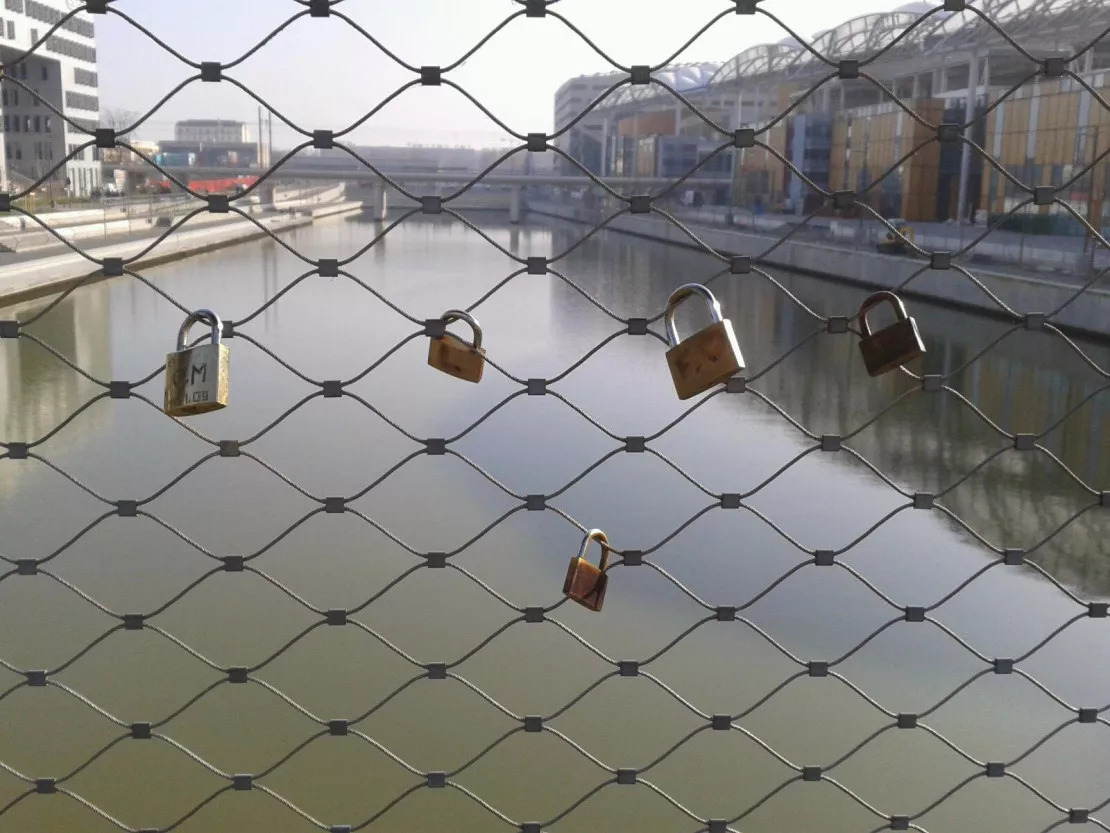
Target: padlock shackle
[
  {"x": 601, "y": 538},
  {"x": 873, "y": 301},
  {"x": 677, "y": 297},
  {"x": 205, "y": 315},
  {"x": 460, "y": 315}
]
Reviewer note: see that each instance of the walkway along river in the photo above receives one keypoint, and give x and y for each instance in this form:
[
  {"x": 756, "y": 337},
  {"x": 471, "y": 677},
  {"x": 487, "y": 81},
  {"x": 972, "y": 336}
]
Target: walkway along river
[{"x": 538, "y": 326}]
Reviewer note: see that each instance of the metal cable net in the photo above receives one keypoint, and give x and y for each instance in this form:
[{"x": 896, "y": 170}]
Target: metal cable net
[{"x": 786, "y": 777}]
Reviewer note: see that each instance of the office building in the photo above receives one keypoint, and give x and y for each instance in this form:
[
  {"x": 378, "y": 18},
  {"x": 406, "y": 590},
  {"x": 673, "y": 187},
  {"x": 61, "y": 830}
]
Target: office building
[
  {"x": 61, "y": 72},
  {"x": 583, "y": 140},
  {"x": 1043, "y": 125}
]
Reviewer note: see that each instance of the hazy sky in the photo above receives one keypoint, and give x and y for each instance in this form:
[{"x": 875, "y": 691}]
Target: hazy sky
[{"x": 321, "y": 73}]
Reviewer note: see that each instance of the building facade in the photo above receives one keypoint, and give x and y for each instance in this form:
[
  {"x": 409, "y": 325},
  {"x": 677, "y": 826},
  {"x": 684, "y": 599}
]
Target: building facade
[
  {"x": 62, "y": 73},
  {"x": 212, "y": 131},
  {"x": 882, "y": 141},
  {"x": 582, "y": 140}
]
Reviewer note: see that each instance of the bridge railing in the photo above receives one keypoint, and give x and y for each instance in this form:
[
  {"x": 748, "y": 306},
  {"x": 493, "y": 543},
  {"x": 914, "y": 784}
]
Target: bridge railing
[{"x": 241, "y": 687}]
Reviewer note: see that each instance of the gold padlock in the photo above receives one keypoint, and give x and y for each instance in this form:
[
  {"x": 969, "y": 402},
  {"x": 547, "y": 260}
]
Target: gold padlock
[
  {"x": 892, "y": 346},
  {"x": 586, "y": 583},
  {"x": 196, "y": 378},
  {"x": 710, "y": 356},
  {"x": 451, "y": 355}
]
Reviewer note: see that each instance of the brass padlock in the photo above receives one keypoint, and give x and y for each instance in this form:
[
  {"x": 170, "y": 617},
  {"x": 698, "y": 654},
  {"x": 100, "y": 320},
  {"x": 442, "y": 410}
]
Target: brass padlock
[
  {"x": 451, "y": 355},
  {"x": 196, "y": 378},
  {"x": 708, "y": 357},
  {"x": 891, "y": 346},
  {"x": 585, "y": 583}
]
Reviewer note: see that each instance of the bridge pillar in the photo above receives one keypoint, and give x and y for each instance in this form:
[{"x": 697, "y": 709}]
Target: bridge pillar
[
  {"x": 377, "y": 205},
  {"x": 266, "y": 193},
  {"x": 516, "y": 204}
]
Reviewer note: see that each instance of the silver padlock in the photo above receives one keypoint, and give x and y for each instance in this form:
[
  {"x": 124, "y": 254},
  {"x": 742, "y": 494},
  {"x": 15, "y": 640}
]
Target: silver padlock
[{"x": 196, "y": 378}]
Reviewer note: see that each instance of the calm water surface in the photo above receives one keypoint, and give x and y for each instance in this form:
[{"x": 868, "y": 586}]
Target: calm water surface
[{"x": 539, "y": 327}]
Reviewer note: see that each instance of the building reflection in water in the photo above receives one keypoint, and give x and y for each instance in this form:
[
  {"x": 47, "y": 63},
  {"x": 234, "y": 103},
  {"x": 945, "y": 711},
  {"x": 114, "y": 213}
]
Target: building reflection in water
[
  {"x": 37, "y": 390},
  {"x": 1027, "y": 383}
]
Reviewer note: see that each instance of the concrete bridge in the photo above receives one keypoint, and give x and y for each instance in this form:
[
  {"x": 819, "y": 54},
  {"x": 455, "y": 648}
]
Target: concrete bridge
[{"x": 377, "y": 194}]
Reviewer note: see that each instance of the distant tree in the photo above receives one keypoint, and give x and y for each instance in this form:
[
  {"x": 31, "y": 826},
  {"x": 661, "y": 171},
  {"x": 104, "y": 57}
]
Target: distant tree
[{"x": 119, "y": 120}]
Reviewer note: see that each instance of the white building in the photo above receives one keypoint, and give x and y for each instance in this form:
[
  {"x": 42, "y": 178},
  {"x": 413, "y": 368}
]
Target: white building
[
  {"x": 211, "y": 131},
  {"x": 62, "y": 71},
  {"x": 583, "y": 140}
]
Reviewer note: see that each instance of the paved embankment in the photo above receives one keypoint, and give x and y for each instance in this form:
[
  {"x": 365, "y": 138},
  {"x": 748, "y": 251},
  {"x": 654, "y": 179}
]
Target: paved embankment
[
  {"x": 48, "y": 275},
  {"x": 1089, "y": 315}
]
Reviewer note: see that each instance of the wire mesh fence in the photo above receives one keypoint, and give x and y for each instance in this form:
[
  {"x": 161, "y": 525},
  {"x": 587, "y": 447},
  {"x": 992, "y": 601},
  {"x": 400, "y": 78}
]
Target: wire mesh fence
[{"x": 814, "y": 615}]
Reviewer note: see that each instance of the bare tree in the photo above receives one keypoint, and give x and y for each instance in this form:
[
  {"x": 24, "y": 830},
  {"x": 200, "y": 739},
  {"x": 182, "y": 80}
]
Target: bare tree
[{"x": 119, "y": 120}]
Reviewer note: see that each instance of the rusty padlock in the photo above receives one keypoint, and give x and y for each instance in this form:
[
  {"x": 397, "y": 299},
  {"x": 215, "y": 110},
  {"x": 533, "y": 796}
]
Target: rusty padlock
[
  {"x": 708, "y": 357},
  {"x": 451, "y": 355},
  {"x": 196, "y": 378},
  {"x": 891, "y": 346},
  {"x": 585, "y": 583}
]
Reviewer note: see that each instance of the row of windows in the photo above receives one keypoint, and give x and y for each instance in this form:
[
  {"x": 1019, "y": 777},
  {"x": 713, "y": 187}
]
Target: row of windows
[
  {"x": 86, "y": 78},
  {"x": 87, "y": 124},
  {"x": 64, "y": 46},
  {"x": 43, "y": 151},
  {"x": 39, "y": 11},
  {"x": 11, "y": 97},
  {"x": 21, "y": 71},
  {"x": 27, "y": 124},
  {"x": 81, "y": 101},
  {"x": 78, "y": 155}
]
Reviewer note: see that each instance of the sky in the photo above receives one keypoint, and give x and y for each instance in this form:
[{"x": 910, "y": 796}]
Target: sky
[{"x": 322, "y": 74}]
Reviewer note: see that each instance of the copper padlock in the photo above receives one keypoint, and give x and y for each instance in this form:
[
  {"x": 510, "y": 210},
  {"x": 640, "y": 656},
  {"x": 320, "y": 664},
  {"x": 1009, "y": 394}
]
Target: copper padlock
[
  {"x": 707, "y": 358},
  {"x": 585, "y": 583},
  {"x": 197, "y": 377},
  {"x": 892, "y": 346},
  {"x": 451, "y": 355}
]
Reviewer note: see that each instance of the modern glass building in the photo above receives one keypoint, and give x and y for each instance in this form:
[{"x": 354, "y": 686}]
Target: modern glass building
[{"x": 879, "y": 133}]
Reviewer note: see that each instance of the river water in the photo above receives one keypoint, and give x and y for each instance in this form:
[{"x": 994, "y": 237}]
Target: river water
[{"x": 538, "y": 326}]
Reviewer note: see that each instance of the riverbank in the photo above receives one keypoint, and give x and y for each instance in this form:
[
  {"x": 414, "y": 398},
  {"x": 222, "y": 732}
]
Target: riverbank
[
  {"x": 1088, "y": 316},
  {"x": 50, "y": 275}
]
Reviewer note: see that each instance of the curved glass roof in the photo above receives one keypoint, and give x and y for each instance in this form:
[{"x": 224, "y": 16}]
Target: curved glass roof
[
  {"x": 679, "y": 77},
  {"x": 765, "y": 59},
  {"x": 863, "y": 36}
]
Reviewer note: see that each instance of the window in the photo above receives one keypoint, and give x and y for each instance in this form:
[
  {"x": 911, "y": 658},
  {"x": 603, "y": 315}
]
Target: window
[
  {"x": 26, "y": 124},
  {"x": 15, "y": 124},
  {"x": 14, "y": 5},
  {"x": 38, "y": 124},
  {"x": 47, "y": 126},
  {"x": 45, "y": 72},
  {"x": 85, "y": 78},
  {"x": 34, "y": 36},
  {"x": 23, "y": 71},
  {"x": 64, "y": 46},
  {"x": 81, "y": 101},
  {"x": 11, "y": 30}
]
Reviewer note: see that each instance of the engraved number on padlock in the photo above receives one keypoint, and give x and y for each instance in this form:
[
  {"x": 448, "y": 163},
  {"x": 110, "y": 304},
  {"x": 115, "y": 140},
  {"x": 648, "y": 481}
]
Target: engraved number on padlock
[
  {"x": 197, "y": 377},
  {"x": 707, "y": 358},
  {"x": 451, "y": 355},
  {"x": 890, "y": 347},
  {"x": 586, "y": 582}
]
